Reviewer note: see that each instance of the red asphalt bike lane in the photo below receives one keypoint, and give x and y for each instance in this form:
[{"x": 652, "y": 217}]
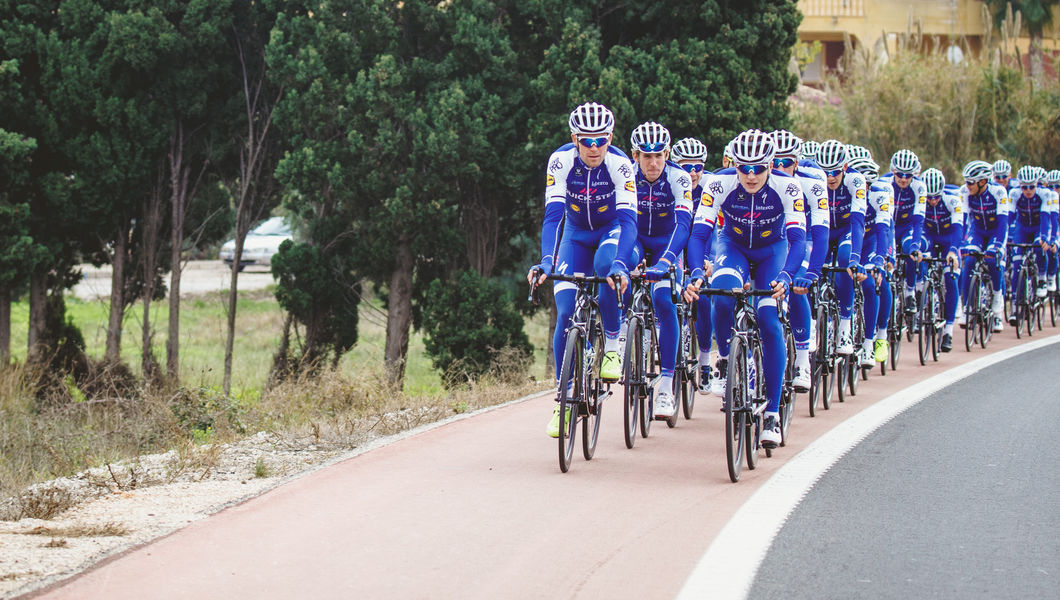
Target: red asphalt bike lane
[{"x": 478, "y": 508}]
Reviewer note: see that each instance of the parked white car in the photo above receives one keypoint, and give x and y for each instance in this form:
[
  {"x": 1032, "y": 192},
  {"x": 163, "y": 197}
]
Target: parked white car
[{"x": 262, "y": 242}]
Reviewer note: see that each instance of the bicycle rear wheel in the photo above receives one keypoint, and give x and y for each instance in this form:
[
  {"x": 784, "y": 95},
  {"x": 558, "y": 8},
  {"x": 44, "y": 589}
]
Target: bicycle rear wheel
[
  {"x": 787, "y": 391},
  {"x": 736, "y": 404},
  {"x": 841, "y": 371},
  {"x": 923, "y": 333},
  {"x": 755, "y": 393},
  {"x": 971, "y": 314},
  {"x": 1019, "y": 305},
  {"x": 986, "y": 319},
  {"x": 569, "y": 396},
  {"x": 632, "y": 380},
  {"x": 1054, "y": 307},
  {"x": 647, "y": 405},
  {"x": 819, "y": 372}
]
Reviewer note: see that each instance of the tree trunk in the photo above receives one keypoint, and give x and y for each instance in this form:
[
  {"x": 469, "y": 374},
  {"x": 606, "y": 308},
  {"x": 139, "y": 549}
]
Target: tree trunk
[
  {"x": 233, "y": 296},
  {"x": 399, "y": 313},
  {"x": 179, "y": 175},
  {"x": 479, "y": 216},
  {"x": 38, "y": 316},
  {"x": 152, "y": 225},
  {"x": 5, "y": 327},
  {"x": 1036, "y": 66},
  {"x": 117, "y": 298}
]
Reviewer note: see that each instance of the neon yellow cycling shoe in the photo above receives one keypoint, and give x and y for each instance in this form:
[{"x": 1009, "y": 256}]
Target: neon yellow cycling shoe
[
  {"x": 881, "y": 351},
  {"x": 611, "y": 367},
  {"x": 553, "y": 425}
]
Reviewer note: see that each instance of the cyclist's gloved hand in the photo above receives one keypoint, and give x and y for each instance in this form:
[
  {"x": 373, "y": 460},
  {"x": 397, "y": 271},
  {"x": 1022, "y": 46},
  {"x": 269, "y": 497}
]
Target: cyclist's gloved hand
[
  {"x": 806, "y": 280},
  {"x": 993, "y": 249},
  {"x": 658, "y": 271},
  {"x": 856, "y": 268},
  {"x": 541, "y": 270},
  {"x": 618, "y": 272}
]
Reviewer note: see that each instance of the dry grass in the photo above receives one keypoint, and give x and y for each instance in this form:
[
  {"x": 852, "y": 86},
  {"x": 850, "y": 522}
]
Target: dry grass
[{"x": 110, "y": 529}]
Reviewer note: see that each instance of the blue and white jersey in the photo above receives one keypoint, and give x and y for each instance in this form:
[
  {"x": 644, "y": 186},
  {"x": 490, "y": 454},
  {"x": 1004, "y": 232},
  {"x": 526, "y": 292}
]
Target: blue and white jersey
[
  {"x": 941, "y": 219},
  {"x": 1028, "y": 212},
  {"x": 909, "y": 202},
  {"x": 664, "y": 208},
  {"x": 753, "y": 220},
  {"x": 848, "y": 199},
  {"x": 815, "y": 191},
  {"x": 879, "y": 208},
  {"x": 588, "y": 199},
  {"x": 592, "y": 197},
  {"x": 988, "y": 210},
  {"x": 1053, "y": 212}
]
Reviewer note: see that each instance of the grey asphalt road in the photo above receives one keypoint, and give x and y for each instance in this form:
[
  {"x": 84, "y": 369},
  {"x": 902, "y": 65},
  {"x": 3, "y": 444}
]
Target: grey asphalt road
[
  {"x": 198, "y": 277},
  {"x": 955, "y": 498}
]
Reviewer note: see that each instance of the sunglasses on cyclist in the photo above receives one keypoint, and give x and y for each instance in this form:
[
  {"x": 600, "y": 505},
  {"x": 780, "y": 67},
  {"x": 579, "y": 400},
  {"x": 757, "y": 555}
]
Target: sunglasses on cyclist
[
  {"x": 752, "y": 169},
  {"x": 693, "y": 168},
  {"x": 1000, "y": 177},
  {"x": 783, "y": 163},
  {"x": 833, "y": 172},
  {"x": 900, "y": 175},
  {"x": 652, "y": 147},
  {"x": 1027, "y": 187},
  {"x": 591, "y": 142},
  {"x": 970, "y": 182},
  {"x": 934, "y": 196}
]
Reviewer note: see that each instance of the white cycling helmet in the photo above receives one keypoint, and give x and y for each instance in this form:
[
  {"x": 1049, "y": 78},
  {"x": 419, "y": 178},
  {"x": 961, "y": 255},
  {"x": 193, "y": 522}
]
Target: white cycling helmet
[
  {"x": 786, "y": 143},
  {"x": 688, "y": 149},
  {"x": 591, "y": 119},
  {"x": 866, "y": 167},
  {"x": 727, "y": 152},
  {"x": 809, "y": 149},
  {"x": 1053, "y": 177},
  {"x": 1002, "y": 168},
  {"x": 905, "y": 161},
  {"x": 1041, "y": 175},
  {"x": 650, "y": 137},
  {"x": 858, "y": 152},
  {"x": 832, "y": 155},
  {"x": 934, "y": 181},
  {"x": 1027, "y": 175},
  {"x": 753, "y": 147},
  {"x": 977, "y": 170}
]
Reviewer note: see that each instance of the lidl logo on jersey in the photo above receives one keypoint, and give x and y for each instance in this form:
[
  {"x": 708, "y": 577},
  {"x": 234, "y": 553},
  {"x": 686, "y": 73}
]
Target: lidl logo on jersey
[
  {"x": 885, "y": 208},
  {"x": 822, "y": 204},
  {"x": 957, "y": 209},
  {"x": 630, "y": 187},
  {"x": 550, "y": 180},
  {"x": 799, "y": 206},
  {"x": 860, "y": 193},
  {"x": 922, "y": 200},
  {"x": 688, "y": 195},
  {"x": 708, "y": 200}
]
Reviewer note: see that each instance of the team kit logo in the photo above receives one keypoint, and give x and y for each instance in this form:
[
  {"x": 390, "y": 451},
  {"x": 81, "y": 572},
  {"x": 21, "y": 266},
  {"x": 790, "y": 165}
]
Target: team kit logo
[
  {"x": 555, "y": 166},
  {"x": 625, "y": 171},
  {"x": 793, "y": 190}
]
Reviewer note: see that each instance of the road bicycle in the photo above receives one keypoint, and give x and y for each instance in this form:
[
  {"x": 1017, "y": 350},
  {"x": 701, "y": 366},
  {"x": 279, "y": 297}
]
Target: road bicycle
[
  {"x": 581, "y": 393},
  {"x": 686, "y": 373},
  {"x": 895, "y": 324},
  {"x": 978, "y": 306},
  {"x": 823, "y": 357},
  {"x": 1027, "y": 307},
  {"x": 745, "y": 400},
  {"x": 846, "y": 367},
  {"x": 640, "y": 365},
  {"x": 931, "y": 316}
]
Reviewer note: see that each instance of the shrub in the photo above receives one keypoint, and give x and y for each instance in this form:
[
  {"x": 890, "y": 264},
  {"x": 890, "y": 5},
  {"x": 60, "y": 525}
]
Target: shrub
[{"x": 469, "y": 321}]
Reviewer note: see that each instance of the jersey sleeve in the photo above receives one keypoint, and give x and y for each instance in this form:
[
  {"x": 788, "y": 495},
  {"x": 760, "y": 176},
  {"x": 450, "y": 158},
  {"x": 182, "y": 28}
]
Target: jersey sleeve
[
  {"x": 681, "y": 187},
  {"x": 559, "y": 164},
  {"x": 856, "y": 184},
  {"x": 626, "y": 205},
  {"x": 794, "y": 226}
]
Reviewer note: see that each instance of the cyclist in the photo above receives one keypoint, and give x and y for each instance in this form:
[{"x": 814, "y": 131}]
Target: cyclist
[
  {"x": 664, "y": 216},
  {"x": 690, "y": 154},
  {"x": 808, "y": 152},
  {"x": 909, "y": 202},
  {"x": 787, "y": 146},
  {"x": 986, "y": 208},
  {"x": 847, "y": 197},
  {"x": 1052, "y": 183},
  {"x": 590, "y": 225},
  {"x": 726, "y": 157},
  {"x": 944, "y": 231},
  {"x": 874, "y": 247},
  {"x": 1033, "y": 224},
  {"x": 764, "y": 236},
  {"x": 1002, "y": 170}
]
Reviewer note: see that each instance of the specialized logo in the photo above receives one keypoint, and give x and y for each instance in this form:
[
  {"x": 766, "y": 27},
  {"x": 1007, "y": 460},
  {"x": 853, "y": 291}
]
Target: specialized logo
[
  {"x": 716, "y": 188},
  {"x": 550, "y": 180},
  {"x": 793, "y": 190},
  {"x": 555, "y": 166},
  {"x": 630, "y": 187},
  {"x": 624, "y": 170}
]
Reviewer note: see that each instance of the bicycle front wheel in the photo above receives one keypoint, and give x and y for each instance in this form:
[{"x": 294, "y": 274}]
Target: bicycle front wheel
[
  {"x": 736, "y": 405},
  {"x": 691, "y": 369},
  {"x": 632, "y": 380},
  {"x": 570, "y": 396},
  {"x": 592, "y": 398}
]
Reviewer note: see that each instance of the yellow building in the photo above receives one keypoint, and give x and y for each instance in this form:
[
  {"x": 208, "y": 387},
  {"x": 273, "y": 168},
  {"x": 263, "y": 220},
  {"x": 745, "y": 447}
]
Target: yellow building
[{"x": 877, "y": 24}]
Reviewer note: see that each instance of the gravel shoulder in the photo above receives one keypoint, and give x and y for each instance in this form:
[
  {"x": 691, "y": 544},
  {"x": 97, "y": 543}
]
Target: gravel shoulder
[{"x": 122, "y": 506}]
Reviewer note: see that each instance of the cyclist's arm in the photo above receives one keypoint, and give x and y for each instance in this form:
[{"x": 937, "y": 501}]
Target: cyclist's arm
[
  {"x": 700, "y": 239},
  {"x": 957, "y": 226},
  {"x": 817, "y": 209},
  {"x": 555, "y": 205},
  {"x": 682, "y": 191},
  {"x": 626, "y": 203},
  {"x": 881, "y": 201},
  {"x": 919, "y": 212},
  {"x": 859, "y": 200},
  {"x": 1046, "y": 226}
]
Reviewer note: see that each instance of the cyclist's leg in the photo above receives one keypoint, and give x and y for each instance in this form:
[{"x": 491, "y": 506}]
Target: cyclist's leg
[
  {"x": 974, "y": 241},
  {"x": 799, "y": 316},
  {"x": 768, "y": 262},
  {"x": 871, "y": 304},
  {"x": 843, "y": 283},
  {"x": 574, "y": 256},
  {"x": 883, "y": 310},
  {"x": 912, "y": 273},
  {"x": 731, "y": 271},
  {"x": 609, "y": 314}
]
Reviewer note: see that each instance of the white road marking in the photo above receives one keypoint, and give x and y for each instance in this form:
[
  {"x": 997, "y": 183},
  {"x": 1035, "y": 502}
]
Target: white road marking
[{"x": 727, "y": 569}]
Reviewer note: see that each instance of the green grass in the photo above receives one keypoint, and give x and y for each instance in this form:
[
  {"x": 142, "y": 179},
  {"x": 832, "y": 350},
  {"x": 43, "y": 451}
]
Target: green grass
[{"x": 259, "y": 326}]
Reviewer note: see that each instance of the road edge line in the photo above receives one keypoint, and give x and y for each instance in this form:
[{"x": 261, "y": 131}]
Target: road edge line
[{"x": 728, "y": 567}]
